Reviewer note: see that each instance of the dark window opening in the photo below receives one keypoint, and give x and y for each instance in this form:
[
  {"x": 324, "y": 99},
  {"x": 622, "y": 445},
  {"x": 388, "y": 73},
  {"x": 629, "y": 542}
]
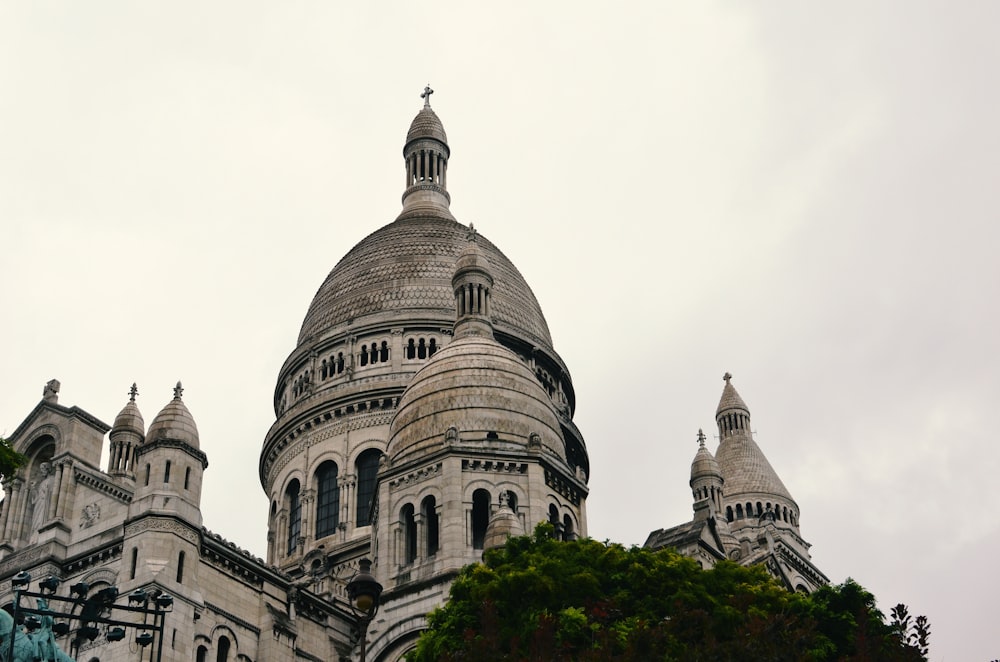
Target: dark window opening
[
  {"x": 409, "y": 523},
  {"x": 428, "y": 510},
  {"x": 421, "y": 349},
  {"x": 480, "y": 517},
  {"x": 433, "y": 348},
  {"x": 180, "y": 567},
  {"x": 294, "y": 515},
  {"x": 411, "y": 351},
  {"x": 327, "y": 500},
  {"x": 367, "y": 470},
  {"x": 166, "y": 472},
  {"x": 384, "y": 352},
  {"x": 364, "y": 355}
]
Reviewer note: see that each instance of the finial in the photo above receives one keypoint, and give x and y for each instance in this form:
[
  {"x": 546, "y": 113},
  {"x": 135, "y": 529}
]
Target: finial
[
  {"x": 178, "y": 390},
  {"x": 503, "y": 500},
  {"x": 701, "y": 438},
  {"x": 132, "y": 392},
  {"x": 426, "y": 95},
  {"x": 471, "y": 234},
  {"x": 726, "y": 377}
]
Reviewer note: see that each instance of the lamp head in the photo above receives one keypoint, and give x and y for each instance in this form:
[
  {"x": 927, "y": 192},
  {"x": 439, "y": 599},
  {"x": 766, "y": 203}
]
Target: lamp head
[
  {"x": 363, "y": 591},
  {"x": 20, "y": 579}
]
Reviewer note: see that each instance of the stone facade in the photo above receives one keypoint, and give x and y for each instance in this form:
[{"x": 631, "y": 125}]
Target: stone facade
[
  {"x": 422, "y": 417},
  {"x": 742, "y": 509}
]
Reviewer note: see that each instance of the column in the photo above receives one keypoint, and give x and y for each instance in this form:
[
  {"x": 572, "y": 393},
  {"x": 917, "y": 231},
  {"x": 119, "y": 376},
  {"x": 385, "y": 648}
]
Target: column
[
  {"x": 66, "y": 492},
  {"x": 53, "y": 505}
]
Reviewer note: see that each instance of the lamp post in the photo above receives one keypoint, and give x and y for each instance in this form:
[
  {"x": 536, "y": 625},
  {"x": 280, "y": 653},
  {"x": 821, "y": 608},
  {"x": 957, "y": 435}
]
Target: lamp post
[{"x": 364, "y": 592}]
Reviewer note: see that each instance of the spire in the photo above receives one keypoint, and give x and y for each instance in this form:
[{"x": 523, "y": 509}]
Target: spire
[
  {"x": 178, "y": 391},
  {"x": 426, "y": 155},
  {"x": 473, "y": 285},
  {"x": 127, "y": 434},
  {"x": 732, "y": 414}
]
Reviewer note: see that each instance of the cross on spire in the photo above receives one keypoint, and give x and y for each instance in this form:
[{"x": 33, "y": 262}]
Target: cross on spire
[
  {"x": 426, "y": 95},
  {"x": 132, "y": 392},
  {"x": 470, "y": 235},
  {"x": 726, "y": 377},
  {"x": 701, "y": 438},
  {"x": 178, "y": 390}
]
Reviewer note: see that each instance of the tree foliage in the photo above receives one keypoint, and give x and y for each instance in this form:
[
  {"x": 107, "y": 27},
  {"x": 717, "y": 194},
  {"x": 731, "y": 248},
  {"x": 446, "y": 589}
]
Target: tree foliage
[
  {"x": 542, "y": 599},
  {"x": 10, "y": 459}
]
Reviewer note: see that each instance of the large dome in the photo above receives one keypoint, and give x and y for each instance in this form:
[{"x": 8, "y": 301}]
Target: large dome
[{"x": 404, "y": 270}]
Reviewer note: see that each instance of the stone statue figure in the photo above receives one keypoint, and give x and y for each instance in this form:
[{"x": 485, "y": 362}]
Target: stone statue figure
[{"x": 41, "y": 491}]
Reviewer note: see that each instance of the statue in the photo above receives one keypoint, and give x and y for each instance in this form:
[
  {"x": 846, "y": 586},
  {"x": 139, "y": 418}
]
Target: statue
[
  {"x": 39, "y": 646},
  {"x": 39, "y": 494}
]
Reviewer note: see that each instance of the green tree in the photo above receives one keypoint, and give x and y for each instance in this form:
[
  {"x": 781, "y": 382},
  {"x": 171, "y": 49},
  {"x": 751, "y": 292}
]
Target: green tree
[
  {"x": 10, "y": 459},
  {"x": 542, "y": 599}
]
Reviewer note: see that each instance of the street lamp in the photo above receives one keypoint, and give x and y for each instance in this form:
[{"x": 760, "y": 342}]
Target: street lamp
[{"x": 363, "y": 592}]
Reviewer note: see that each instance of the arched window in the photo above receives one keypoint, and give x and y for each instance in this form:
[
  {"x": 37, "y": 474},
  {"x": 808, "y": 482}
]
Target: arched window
[
  {"x": 374, "y": 353},
  {"x": 223, "y": 652},
  {"x": 512, "y": 501},
  {"x": 411, "y": 351},
  {"x": 180, "y": 567},
  {"x": 201, "y": 655},
  {"x": 383, "y": 354},
  {"x": 340, "y": 362},
  {"x": 187, "y": 478},
  {"x": 739, "y": 511},
  {"x": 147, "y": 474},
  {"x": 294, "y": 515},
  {"x": 364, "y": 355},
  {"x": 433, "y": 348},
  {"x": 729, "y": 513},
  {"x": 135, "y": 562},
  {"x": 166, "y": 472},
  {"x": 480, "y": 517},
  {"x": 421, "y": 349},
  {"x": 327, "y": 500},
  {"x": 409, "y": 523},
  {"x": 367, "y": 470},
  {"x": 568, "y": 533},
  {"x": 428, "y": 511}
]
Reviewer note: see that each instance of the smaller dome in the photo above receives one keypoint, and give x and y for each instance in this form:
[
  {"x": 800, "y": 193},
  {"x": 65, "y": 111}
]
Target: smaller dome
[
  {"x": 426, "y": 125},
  {"x": 503, "y": 524},
  {"x": 704, "y": 464},
  {"x": 174, "y": 423},
  {"x": 129, "y": 419},
  {"x": 485, "y": 392},
  {"x": 731, "y": 400},
  {"x": 472, "y": 260}
]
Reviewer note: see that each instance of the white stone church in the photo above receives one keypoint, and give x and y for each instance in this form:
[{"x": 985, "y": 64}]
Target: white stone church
[{"x": 423, "y": 416}]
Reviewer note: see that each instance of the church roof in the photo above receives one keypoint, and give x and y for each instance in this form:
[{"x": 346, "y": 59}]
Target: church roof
[
  {"x": 481, "y": 389},
  {"x": 746, "y": 470},
  {"x": 174, "y": 422},
  {"x": 403, "y": 272},
  {"x": 730, "y": 399},
  {"x": 426, "y": 125},
  {"x": 704, "y": 464},
  {"x": 129, "y": 419}
]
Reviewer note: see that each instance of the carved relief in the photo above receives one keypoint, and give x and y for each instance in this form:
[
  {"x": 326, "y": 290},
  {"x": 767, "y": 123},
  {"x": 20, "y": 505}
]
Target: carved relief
[{"x": 90, "y": 515}]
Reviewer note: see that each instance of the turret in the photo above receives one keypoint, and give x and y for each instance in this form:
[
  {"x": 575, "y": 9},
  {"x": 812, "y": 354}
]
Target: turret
[
  {"x": 170, "y": 465},
  {"x": 706, "y": 480},
  {"x": 127, "y": 434},
  {"x": 426, "y": 155}
]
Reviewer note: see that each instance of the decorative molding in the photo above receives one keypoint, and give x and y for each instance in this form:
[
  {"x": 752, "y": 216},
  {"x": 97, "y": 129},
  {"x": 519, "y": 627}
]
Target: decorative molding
[
  {"x": 232, "y": 617},
  {"x": 102, "y": 484},
  {"x": 90, "y": 515},
  {"x": 418, "y": 476},
  {"x": 562, "y": 486},
  {"x": 497, "y": 467},
  {"x": 174, "y": 526}
]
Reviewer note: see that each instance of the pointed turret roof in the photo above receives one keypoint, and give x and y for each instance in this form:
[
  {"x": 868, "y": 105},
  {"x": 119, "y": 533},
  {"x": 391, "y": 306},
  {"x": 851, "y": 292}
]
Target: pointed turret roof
[
  {"x": 129, "y": 419},
  {"x": 704, "y": 463},
  {"x": 731, "y": 400},
  {"x": 744, "y": 466},
  {"x": 174, "y": 422}
]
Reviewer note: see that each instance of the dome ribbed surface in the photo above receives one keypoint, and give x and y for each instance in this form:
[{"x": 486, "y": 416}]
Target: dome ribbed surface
[
  {"x": 174, "y": 422},
  {"x": 479, "y": 387},
  {"x": 426, "y": 125},
  {"x": 731, "y": 400},
  {"x": 129, "y": 419},
  {"x": 403, "y": 271},
  {"x": 745, "y": 468},
  {"x": 704, "y": 464},
  {"x": 503, "y": 524}
]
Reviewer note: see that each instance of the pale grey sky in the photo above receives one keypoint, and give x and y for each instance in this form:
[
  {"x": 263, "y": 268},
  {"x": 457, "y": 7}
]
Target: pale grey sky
[{"x": 803, "y": 194}]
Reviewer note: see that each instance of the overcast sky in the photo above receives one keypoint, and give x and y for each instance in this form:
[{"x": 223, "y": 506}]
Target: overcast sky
[{"x": 804, "y": 195}]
